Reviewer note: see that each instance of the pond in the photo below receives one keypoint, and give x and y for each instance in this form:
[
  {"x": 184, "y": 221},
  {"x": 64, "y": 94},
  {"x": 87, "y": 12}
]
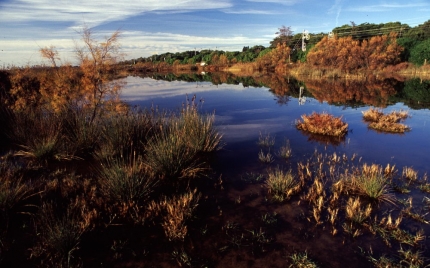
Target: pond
[
  {"x": 244, "y": 113},
  {"x": 243, "y": 227}
]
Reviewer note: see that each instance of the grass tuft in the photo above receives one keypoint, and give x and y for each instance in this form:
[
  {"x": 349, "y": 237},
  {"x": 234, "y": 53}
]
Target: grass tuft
[{"x": 282, "y": 185}]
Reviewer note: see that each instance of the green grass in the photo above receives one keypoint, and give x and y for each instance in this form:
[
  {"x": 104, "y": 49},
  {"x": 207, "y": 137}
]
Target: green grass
[{"x": 126, "y": 180}]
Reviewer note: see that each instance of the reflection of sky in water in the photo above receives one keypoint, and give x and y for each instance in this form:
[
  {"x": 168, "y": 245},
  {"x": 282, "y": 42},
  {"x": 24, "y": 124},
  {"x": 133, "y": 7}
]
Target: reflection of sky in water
[{"x": 243, "y": 113}]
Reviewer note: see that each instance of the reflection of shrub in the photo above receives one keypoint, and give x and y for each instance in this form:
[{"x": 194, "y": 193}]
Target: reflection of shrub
[
  {"x": 386, "y": 122},
  {"x": 324, "y": 124}
]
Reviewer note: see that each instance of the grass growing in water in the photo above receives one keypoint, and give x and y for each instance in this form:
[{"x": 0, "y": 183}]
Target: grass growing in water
[
  {"x": 282, "y": 185},
  {"x": 369, "y": 182}
]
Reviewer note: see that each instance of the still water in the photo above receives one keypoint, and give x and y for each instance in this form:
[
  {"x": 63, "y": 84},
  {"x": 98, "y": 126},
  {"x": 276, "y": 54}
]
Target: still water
[{"x": 243, "y": 113}]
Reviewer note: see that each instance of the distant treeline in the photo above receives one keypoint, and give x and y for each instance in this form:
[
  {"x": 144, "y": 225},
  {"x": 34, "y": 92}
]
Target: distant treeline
[{"x": 415, "y": 43}]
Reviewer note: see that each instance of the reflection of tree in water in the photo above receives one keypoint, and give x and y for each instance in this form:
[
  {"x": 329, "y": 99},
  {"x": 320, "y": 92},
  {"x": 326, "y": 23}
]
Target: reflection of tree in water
[
  {"x": 371, "y": 92},
  {"x": 324, "y": 139},
  {"x": 415, "y": 93},
  {"x": 350, "y": 93}
]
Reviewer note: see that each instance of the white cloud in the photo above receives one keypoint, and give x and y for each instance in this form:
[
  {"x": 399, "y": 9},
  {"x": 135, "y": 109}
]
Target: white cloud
[
  {"x": 96, "y": 12},
  {"x": 386, "y": 7},
  {"x": 282, "y": 2},
  {"x": 134, "y": 44},
  {"x": 250, "y": 11}
]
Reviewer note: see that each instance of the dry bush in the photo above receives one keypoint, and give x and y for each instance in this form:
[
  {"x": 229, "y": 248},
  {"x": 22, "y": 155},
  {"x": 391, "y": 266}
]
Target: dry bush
[
  {"x": 386, "y": 122},
  {"x": 372, "y": 115},
  {"x": 323, "y": 124}
]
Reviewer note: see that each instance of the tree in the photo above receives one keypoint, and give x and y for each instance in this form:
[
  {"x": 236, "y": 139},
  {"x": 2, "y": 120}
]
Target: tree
[
  {"x": 420, "y": 53},
  {"x": 285, "y": 35},
  {"x": 51, "y": 54},
  {"x": 96, "y": 62}
]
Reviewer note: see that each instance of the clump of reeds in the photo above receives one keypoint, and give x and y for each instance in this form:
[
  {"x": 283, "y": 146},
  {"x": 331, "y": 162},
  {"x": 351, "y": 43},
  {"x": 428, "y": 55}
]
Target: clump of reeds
[
  {"x": 266, "y": 140},
  {"x": 282, "y": 185},
  {"x": 323, "y": 124},
  {"x": 14, "y": 190},
  {"x": 300, "y": 260},
  {"x": 175, "y": 212},
  {"x": 386, "y": 122},
  {"x": 265, "y": 158},
  {"x": 355, "y": 212},
  {"x": 125, "y": 180},
  {"x": 198, "y": 129},
  {"x": 285, "y": 151},
  {"x": 410, "y": 174},
  {"x": 169, "y": 156},
  {"x": 40, "y": 136},
  {"x": 61, "y": 233},
  {"x": 369, "y": 182}
]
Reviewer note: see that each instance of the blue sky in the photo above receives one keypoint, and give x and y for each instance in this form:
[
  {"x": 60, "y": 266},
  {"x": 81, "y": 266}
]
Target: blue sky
[{"x": 153, "y": 26}]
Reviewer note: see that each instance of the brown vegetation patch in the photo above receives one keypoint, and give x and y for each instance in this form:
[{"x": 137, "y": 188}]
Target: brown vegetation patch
[
  {"x": 323, "y": 123},
  {"x": 386, "y": 122}
]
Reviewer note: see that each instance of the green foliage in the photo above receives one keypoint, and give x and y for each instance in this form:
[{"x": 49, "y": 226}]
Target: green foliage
[
  {"x": 407, "y": 43},
  {"x": 416, "y": 90},
  {"x": 421, "y": 53},
  {"x": 125, "y": 181}
]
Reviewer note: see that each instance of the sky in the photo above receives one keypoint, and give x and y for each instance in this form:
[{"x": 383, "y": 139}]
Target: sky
[{"x": 153, "y": 26}]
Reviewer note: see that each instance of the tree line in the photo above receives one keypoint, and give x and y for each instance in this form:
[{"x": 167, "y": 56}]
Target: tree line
[{"x": 414, "y": 43}]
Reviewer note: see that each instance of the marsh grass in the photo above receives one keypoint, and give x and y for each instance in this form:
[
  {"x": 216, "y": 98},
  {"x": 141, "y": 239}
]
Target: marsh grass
[
  {"x": 126, "y": 180},
  {"x": 123, "y": 134},
  {"x": 175, "y": 212},
  {"x": 370, "y": 183},
  {"x": 410, "y": 174},
  {"x": 282, "y": 185},
  {"x": 323, "y": 124},
  {"x": 285, "y": 151},
  {"x": 301, "y": 260},
  {"x": 356, "y": 212},
  {"x": 39, "y": 133},
  {"x": 198, "y": 129},
  {"x": 60, "y": 234},
  {"x": 265, "y": 158},
  {"x": 169, "y": 156},
  {"x": 386, "y": 122},
  {"x": 266, "y": 140},
  {"x": 83, "y": 135}
]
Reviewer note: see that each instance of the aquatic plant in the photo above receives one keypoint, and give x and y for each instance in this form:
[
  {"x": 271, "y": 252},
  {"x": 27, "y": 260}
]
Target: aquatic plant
[
  {"x": 301, "y": 260},
  {"x": 323, "y": 124},
  {"x": 386, "y": 122},
  {"x": 281, "y": 185}
]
